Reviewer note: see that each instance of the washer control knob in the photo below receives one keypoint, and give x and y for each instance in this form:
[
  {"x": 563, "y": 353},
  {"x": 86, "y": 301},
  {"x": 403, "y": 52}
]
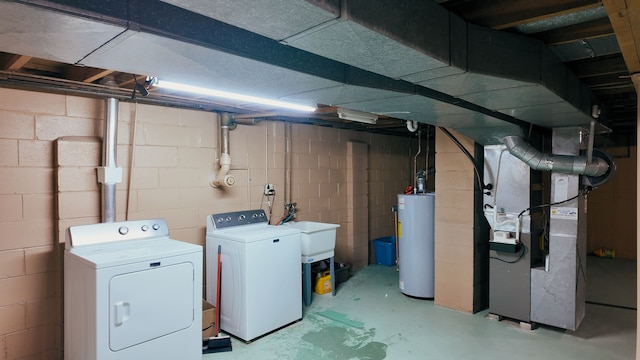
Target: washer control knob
[
  {"x": 123, "y": 230},
  {"x": 261, "y": 215},
  {"x": 228, "y": 219},
  {"x": 156, "y": 226},
  {"x": 144, "y": 228},
  {"x": 241, "y": 217},
  {"x": 220, "y": 220}
]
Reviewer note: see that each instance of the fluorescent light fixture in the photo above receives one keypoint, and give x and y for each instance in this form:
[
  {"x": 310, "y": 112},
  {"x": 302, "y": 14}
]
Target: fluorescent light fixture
[
  {"x": 359, "y": 116},
  {"x": 232, "y": 96}
]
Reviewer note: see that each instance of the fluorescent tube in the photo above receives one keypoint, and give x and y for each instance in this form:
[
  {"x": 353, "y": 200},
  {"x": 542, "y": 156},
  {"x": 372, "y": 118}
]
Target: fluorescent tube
[
  {"x": 228, "y": 95},
  {"x": 359, "y": 116}
]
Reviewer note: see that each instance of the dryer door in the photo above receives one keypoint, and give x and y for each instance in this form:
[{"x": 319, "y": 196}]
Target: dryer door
[{"x": 148, "y": 304}]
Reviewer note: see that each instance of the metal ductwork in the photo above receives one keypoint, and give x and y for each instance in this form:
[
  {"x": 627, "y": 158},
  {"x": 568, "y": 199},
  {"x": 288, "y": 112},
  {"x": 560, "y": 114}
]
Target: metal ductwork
[
  {"x": 597, "y": 167},
  {"x": 413, "y": 59},
  {"x": 109, "y": 174}
]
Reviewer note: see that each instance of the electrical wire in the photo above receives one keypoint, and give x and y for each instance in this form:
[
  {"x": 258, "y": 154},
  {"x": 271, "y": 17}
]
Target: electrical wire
[
  {"x": 476, "y": 167},
  {"x": 270, "y": 203},
  {"x": 582, "y": 192},
  {"x": 522, "y": 252}
]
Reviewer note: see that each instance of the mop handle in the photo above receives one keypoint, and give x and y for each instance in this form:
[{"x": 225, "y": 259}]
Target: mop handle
[{"x": 217, "y": 328}]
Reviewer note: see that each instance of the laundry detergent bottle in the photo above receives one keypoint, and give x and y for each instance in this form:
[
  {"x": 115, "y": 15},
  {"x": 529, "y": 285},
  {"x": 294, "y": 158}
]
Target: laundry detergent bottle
[{"x": 323, "y": 283}]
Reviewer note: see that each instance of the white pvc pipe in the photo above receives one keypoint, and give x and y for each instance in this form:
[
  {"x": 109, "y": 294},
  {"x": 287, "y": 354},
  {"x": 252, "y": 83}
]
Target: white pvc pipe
[
  {"x": 412, "y": 125},
  {"x": 223, "y": 178}
]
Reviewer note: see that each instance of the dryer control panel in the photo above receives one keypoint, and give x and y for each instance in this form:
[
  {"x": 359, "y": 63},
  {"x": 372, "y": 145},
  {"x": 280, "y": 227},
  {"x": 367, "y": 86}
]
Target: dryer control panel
[
  {"x": 116, "y": 231},
  {"x": 237, "y": 218}
]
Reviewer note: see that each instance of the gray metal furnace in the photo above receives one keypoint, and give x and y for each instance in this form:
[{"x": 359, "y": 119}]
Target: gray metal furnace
[
  {"x": 537, "y": 261},
  {"x": 514, "y": 245}
]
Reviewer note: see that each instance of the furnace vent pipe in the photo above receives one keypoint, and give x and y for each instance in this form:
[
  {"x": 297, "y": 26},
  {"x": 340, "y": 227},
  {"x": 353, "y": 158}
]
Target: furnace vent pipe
[
  {"x": 577, "y": 165},
  {"x": 223, "y": 178},
  {"x": 109, "y": 174}
]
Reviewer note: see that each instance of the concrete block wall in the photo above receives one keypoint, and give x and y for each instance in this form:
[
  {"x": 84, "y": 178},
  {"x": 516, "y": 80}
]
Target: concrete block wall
[
  {"x": 30, "y": 265},
  {"x": 357, "y": 244},
  {"x": 51, "y": 144},
  {"x": 390, "y": 173},
  {"x": 454, "y": 225}
]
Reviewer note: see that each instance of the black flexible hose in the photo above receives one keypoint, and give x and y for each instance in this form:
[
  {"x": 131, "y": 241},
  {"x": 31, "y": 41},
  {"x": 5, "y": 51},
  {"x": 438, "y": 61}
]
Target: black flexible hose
[{"x": 476, "y": 167}]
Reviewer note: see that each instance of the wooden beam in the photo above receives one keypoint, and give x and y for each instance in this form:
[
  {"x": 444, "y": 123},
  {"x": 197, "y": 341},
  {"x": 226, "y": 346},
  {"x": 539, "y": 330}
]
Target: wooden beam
[
  {"x": 601, "y": 65},
  {"x": 625, "y": 19},
  {"x": 586, "y": 30},
  {"x": 85, "y": 74},
  {"x": 14, "y": 62},
  {"x": 502, "y": 14}
]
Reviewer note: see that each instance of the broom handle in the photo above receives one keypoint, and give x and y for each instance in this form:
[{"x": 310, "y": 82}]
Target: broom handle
[{"x": 217, "y": 328}]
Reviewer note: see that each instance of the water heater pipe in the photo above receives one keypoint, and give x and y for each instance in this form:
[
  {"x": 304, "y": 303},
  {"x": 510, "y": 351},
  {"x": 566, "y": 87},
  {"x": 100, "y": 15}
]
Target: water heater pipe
[
  {"x": 109, "y": 174},
  {"x": 577, "y": 165},
  {"x": 223, "y": 178}
]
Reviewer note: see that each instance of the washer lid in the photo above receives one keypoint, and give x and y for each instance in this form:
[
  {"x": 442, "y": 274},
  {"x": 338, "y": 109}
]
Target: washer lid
[{"x": 255, "y": 232}]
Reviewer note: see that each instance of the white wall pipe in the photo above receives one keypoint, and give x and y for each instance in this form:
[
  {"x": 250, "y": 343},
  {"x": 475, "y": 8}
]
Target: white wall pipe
[
  {"x": 109, "y": 174},
  {"x": 223, "y": 178},
  {"x": 577, "y": 165},
  {"x": 412, "y": 125}
]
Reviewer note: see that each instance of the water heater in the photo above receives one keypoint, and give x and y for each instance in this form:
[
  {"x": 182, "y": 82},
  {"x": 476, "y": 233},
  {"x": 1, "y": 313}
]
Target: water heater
[{"x": 415, "y": 244}]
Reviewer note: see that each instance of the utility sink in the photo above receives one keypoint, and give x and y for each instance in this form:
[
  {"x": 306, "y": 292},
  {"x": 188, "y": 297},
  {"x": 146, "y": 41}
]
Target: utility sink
[{"x": 316, "y": 238}]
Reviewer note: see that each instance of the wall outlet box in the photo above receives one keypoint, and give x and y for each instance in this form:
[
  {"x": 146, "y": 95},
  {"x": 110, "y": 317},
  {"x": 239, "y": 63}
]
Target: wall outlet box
[{"x": 269, "y": 189}]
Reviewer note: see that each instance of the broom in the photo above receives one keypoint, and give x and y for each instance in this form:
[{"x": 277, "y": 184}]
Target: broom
[{"x": 218, "y": 343}]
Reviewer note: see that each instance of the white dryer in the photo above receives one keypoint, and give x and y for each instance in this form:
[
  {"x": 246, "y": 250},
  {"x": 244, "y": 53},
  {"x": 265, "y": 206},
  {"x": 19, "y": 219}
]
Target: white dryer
[
  {"x": 261, "y": 287},
  {"x": 131, "y": 292}
]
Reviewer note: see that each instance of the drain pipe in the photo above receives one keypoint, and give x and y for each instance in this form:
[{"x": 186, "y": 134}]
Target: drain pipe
[
  {"x": 412, "y": 125},
  {"x": 109, "y": 174},
  {"x": 223, "y": 178},
  {"x": 577, "y": 165}
]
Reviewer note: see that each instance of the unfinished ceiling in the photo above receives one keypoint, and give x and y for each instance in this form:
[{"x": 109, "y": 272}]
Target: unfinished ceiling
[{"x": 485, "y": 68}]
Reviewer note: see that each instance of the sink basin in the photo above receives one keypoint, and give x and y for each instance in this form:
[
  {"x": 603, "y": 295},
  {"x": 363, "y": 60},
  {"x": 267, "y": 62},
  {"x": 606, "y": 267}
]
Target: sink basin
[{"x": 316, "y": 237}]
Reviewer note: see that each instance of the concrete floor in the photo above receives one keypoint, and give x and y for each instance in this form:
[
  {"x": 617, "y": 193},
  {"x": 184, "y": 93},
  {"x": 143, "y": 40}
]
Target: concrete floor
[{"x": 370, "y": 318}]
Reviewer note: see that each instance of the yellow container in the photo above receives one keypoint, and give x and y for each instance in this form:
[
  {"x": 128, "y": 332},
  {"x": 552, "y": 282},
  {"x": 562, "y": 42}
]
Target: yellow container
[
  {"x": 606, "y": 253},
  {"x": 323, "y": 283}
]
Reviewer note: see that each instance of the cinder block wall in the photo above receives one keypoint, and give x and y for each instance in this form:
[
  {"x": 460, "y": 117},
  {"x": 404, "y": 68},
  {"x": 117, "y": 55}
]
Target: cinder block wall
[
  {"x": 50, "y": 146},
  {"x": 454, "y": 225}
]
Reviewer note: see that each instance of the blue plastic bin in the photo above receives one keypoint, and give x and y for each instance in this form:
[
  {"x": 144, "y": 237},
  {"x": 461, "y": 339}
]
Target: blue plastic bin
[{"x": 385, "y": 250}]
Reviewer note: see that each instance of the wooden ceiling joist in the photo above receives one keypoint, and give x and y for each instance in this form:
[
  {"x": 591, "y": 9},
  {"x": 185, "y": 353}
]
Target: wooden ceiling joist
[
  {"x": 625, "y": 19},
  {"x": 11, "y": 62}
]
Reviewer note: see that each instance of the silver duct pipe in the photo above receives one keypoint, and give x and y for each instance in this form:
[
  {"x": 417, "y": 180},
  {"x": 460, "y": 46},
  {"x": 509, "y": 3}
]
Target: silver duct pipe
[
  {"x": 109, "y": 174},
  {"x": 578, "y": 165}
]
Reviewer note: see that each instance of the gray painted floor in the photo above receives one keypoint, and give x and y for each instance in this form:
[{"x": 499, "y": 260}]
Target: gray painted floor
[{"x": 370, "y": 318}]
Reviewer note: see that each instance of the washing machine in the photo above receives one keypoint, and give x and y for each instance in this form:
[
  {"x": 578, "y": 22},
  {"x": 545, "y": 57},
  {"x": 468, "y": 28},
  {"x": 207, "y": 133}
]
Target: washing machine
[
  {"x": 131, "y": 292},
  {"x": 261, "y": 286}
]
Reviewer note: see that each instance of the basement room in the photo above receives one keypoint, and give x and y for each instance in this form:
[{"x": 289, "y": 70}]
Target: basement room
[{"x": 319, "y": 179}]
